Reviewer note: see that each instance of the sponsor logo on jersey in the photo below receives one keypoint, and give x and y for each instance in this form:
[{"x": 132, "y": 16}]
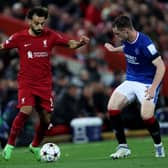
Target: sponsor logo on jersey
[
  {"x": 31, "y": 55},
  {"x": 131, "y": 59},
  {"x": 40, "y": 54}
]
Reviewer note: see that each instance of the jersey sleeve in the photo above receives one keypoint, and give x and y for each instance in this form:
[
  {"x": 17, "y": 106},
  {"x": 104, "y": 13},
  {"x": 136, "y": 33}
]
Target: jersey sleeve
[
  {"x": 11, "y": 42},
  {"x": 149, "y": 49},
  {"x": 59, "y": 39}
]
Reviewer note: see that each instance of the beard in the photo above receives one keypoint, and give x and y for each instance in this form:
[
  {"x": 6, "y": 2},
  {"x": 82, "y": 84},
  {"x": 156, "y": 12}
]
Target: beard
[{"x": 36, "y": 32}]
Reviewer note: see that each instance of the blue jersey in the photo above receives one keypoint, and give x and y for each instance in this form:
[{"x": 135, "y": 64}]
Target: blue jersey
[{"x": 139, "y": 56}]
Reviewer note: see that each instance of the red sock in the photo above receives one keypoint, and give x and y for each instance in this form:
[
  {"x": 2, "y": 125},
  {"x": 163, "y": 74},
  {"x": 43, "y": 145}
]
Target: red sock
[
  {"x": 17, "y": 125},
  {"x": 39, "y": 134}
]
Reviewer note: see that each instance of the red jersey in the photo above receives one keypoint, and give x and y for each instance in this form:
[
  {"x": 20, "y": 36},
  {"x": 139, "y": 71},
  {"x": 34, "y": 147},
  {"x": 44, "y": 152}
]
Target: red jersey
[{"x": 35, "y": 53}]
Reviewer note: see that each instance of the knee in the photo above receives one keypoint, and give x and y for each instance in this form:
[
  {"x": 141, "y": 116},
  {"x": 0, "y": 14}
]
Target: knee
[
  {"x": 114, "y": 104},
  {"x": 26, "y": 109},
  {"x": 147, "y": 110}
]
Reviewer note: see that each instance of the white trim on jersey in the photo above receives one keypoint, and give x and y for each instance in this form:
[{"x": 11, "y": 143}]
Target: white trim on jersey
[{"x": 135, "y": 39}]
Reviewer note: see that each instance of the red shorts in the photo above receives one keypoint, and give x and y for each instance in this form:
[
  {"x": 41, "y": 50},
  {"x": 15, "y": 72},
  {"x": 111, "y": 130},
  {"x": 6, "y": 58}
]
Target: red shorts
[{"x": 38, "y": 97}]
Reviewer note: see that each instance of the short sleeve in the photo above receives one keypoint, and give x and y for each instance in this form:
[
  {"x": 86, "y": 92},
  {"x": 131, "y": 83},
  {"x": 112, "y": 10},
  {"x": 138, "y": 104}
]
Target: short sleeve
[
  {"x": 59, "y": 39},
  {"x": 11, "y": 42},
  {"x": 150, "y": 51}
]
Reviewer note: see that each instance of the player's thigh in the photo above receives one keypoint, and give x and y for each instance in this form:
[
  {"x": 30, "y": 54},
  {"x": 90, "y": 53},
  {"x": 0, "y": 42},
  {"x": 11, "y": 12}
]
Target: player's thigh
[
  {"x": 117, "y": 101},
  {"x": 121, "y": 96},
  {"x": 45, "y": 100},
  {"x": 26, "y": 100},
  {"x": 147, "y": 106},
  {"x": 147, "y": 109},
  {"x": 47, "y": 103}
]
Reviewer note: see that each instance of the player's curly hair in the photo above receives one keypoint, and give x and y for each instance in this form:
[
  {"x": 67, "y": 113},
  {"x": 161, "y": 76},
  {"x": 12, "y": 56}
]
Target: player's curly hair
[{"x": 39, "y": 11}]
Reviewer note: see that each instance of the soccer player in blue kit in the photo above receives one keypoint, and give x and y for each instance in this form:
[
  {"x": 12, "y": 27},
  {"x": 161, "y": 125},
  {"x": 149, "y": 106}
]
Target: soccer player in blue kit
[{"x": 144, "y": 73}]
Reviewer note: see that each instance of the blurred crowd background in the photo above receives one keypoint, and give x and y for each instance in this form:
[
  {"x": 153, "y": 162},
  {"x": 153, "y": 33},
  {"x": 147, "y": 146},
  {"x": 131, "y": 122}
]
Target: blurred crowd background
[{"x": 83, "y": 83}]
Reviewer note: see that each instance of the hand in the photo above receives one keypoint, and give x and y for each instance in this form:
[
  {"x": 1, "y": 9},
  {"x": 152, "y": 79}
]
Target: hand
[
  {"x": 108, "y": 46},
  {"x": 74, "y": 44},
  {"x": 84, "y": 40},
  {"x": 149, "y": 93}
]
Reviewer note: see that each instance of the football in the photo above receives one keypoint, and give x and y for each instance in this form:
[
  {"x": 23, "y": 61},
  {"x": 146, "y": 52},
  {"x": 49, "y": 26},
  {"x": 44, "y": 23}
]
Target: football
[{"x": 50, "y": 152}]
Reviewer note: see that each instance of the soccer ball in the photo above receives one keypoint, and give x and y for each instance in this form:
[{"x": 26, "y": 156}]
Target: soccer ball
[{"x": 50, "y": 152}]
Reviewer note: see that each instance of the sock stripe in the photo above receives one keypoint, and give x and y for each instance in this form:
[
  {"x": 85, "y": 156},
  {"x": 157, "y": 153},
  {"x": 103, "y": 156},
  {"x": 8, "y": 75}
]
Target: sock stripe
[
  {"x": 114, "y": 112},
  {"x": 150, "y": 121}
]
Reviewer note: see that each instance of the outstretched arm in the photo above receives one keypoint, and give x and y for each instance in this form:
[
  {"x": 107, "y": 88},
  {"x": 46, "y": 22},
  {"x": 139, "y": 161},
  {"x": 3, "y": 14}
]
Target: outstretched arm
[
  {"x": 76, "y": 44},
  {"x": 110, "y": 47}
]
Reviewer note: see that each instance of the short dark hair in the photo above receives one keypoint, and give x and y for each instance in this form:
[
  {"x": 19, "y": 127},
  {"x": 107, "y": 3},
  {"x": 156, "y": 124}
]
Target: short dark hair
[
  {"x": 39, "y": 11},
  {"x": 123, "y": 22}
]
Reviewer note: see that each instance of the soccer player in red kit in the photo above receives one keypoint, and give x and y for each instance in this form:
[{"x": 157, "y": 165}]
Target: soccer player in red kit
[{"x": 35, "y": 79}]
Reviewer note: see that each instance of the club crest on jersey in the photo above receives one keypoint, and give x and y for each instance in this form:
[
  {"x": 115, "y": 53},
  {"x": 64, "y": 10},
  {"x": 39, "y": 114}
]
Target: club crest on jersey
[
  {"x": 137, "y": 51},
  {"x": 44, "y": 43}
]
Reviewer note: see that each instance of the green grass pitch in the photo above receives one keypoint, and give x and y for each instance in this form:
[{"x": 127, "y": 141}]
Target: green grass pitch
[{"x": 93, "y": 155}]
